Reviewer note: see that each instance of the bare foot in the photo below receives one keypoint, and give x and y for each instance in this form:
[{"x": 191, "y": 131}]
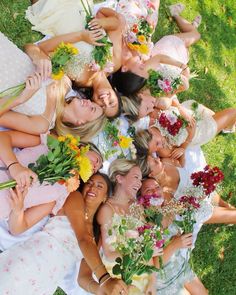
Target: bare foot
[
  {"x": 197, "y": 21},
  {"x": 176, "y": 9}
]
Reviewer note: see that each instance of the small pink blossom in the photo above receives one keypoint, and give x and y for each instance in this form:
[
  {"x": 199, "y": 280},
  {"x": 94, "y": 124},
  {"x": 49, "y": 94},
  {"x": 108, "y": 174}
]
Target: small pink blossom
[
  {"x": 109, "y": 67},
  {"x": 132, "y": 234},
  {"x": 160, "y": 243},
  {"x": 94, "y": 66}
]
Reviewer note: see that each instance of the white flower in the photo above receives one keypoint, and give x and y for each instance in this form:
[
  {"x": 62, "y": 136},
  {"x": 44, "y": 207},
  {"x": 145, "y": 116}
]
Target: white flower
[{"x": 156, "y": 201}]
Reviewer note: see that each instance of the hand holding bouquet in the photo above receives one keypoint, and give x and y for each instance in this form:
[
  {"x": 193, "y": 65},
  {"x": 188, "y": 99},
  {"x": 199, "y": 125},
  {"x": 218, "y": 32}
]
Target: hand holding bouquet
[
  {"x": 102, "y": 54},
  {"x": 59, "y": 59},
  {"x": 65, "y": 162}
]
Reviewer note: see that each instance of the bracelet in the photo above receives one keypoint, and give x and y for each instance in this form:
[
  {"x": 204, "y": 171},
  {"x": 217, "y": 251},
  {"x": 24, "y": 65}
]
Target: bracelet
[
  {"x": 13, "y": 163},
  {"x": 106, "y": 280},
  {"x": 105, "y": 274}
]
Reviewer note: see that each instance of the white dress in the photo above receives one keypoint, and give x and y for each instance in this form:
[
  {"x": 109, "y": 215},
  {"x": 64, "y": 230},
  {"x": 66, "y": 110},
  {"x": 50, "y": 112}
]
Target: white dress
[
  {"x": 56, "y": 17},
  {"x": 176, "y": 272},
  {"x": 16, "y": 66},
  {"x": 45, "y": 259},
  {"x": 206, "y": 126}
]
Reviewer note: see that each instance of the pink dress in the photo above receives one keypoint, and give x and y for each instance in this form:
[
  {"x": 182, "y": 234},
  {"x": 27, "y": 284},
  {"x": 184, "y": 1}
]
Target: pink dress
[
  {"x": 171, "y": 46},
  {"x": 37, "y": 194}
]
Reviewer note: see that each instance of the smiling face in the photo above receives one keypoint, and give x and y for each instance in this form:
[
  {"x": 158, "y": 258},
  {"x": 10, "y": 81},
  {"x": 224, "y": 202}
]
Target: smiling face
[
  {"x": 81, "y": 111},
  {"x": 108, "y": 100},
  {"x": 95, "y": 190},
  {"x": 150, "y": 187},
  {"x": 134, "y": 65},
  {"x": 131, "y": 182},
  {"x": 157, "y": 142}
]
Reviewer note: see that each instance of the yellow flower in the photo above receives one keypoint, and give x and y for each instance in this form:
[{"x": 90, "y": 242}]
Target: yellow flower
[
  {"x": 141, "y": 38},
  {"x": 125, "y": 142},
  {"x": 143, "y": 49},
  {"x": 58, "y": 76},
  {"x": 74, "y": 141},
  {"x": 61, "y": 138},
  {"x": 130, "y": 45},
  {"x": 85, "y": 170},
  {"x": 69, "y": 136}
]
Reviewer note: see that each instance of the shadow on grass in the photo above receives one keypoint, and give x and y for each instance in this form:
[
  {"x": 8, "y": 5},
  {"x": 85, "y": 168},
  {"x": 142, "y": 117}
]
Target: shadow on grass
[
  {"x": 214, "y": 257},
  {"x": 205, "y": 89}
]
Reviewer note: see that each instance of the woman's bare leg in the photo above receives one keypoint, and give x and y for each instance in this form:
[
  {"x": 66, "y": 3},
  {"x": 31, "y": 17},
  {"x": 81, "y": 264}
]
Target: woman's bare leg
[
  {"x": 189, "y": 34},
  {"x": 221, "y": 203},
  {"x": 225, "y": 118},
  {"x": 222, "y": 215},
  {"x": 196, "y": 287}
]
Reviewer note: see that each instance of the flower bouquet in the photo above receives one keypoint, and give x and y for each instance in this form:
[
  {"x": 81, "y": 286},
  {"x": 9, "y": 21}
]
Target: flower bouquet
[
  {"x": 139, "y": 35},
  {"x": 65, "y": 162},
  {"x": 102, "y": 55},
  {"x": 204, "y": 183},
  {"x": 151, "y": 205},
  {"x": 208, "y": 179},
  {"x": 134, "y": 241},
  {"x": 59, "y": 58},
  {"x": 116, "y": 142},
  {"x": 173, "y": 127},
  {"x": 164, "y": 81}
]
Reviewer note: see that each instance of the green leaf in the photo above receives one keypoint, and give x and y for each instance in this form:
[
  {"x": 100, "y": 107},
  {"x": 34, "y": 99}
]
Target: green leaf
[
  {"x": 118, "y": 260},
  {"x": 116, "y": 270},
  {"x": 50, "y": 156}
]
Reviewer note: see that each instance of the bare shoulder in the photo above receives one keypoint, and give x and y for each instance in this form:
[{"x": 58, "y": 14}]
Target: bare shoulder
[{"x": 105, "y": 214}]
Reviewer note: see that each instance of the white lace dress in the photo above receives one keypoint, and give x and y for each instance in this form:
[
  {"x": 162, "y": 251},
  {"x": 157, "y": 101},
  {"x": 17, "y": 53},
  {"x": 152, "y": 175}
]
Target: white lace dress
[
  {"x": 45, "y": 259},
  {"x": 16, "y": 66}
]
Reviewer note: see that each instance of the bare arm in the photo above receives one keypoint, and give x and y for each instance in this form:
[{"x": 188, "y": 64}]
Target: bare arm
[
  {"x": 74, "y": 210},
  {"x": 20, "y": 220},
  {"x": 18, "y": 223},
  {"x": 104, "y": 218},
  {"x": 35, "y": 125},
  {"x": 86, "y": 280},
  {"x": 108, "y": 18},
  {"x": 164, "y": 59},
  {"x": 177, "y": 242},
  {"x": 9, "y": 139}
]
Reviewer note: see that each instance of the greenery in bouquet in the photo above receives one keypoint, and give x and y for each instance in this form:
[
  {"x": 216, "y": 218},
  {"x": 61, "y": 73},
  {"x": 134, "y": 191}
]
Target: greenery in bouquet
[
  {"x": 134, "y": 241},
  {"x": 65, "y": 162},
  {"x": 102, "y": 55},
  {"x": 118, "y": 143},
  {"x": 163, "y": 82}
]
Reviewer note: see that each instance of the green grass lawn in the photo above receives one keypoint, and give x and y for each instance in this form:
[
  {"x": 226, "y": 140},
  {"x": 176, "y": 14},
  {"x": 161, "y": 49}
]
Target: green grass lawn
[{"x": 213, "y": 58}]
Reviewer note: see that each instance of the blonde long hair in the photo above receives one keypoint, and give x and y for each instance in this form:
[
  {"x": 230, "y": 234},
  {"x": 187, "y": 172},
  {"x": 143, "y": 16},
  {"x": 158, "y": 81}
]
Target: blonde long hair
[
  {"x": 120, "y": 167},
  {"x": 131, "y": 106},
  {"x": 86, "y": 131}
]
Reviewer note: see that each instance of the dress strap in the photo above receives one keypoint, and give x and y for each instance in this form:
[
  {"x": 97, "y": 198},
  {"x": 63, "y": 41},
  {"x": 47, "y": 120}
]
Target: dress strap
[{"x": 110, "y": 205}]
